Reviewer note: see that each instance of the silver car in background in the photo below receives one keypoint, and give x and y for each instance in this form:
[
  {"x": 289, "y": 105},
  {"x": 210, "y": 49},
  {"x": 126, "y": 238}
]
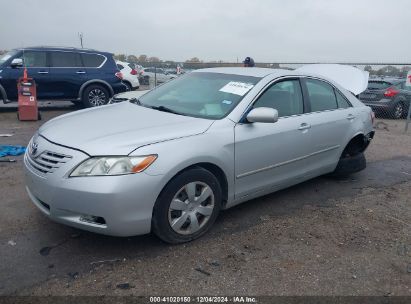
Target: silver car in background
[{"x": 169, "y": 161}]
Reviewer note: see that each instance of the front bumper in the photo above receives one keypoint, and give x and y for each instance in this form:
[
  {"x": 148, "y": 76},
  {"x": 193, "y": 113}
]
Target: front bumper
[{"x": 125, "y": 203}]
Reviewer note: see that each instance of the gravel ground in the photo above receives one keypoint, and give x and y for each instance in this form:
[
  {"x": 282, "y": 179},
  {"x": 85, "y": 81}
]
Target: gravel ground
[{"x": 323, "y": 237}]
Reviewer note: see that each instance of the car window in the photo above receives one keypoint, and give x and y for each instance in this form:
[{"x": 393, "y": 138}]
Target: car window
[
  {"x": 35, "y": 59},
  {"x": 131, "y": 66},
  {"x": 342, "y": 101},
  {"x": 399, "y": 85},
  {"x": 378, "y": 85},
  {"x": 120, "y": 67},
  {"x": 201, "y": 94},
  {"x": 92, "y": 60},
  {"x": 407, "y": 88},
  {"x": 7, "y": 56},
  {"x": 65, "y": 60},
  {"x": 321, "y": 95},
  {"x": 284, "y": 96}
]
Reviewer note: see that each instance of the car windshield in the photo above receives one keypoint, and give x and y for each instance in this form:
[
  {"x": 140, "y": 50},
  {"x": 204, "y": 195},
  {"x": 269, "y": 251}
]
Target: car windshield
[
  {"x": 203, "y": 94},
  {"x": 378, "y": 85},
  {"x": 7, "y": 56}
]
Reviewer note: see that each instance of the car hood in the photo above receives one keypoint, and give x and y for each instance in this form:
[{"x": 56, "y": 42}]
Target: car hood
[{"x": 119, "y": 129}]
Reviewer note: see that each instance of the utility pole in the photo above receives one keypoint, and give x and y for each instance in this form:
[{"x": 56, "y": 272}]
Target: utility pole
[{"x": 80, "y": 36}]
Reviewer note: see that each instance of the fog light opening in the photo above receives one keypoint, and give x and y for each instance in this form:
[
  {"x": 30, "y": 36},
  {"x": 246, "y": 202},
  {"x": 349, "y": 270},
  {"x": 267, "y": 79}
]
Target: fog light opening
[{"x": 93, "y": 219}]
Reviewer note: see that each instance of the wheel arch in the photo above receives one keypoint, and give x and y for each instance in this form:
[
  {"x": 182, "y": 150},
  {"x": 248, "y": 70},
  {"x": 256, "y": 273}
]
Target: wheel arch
[
  {"x": 129, "y": 83},
  {"x": 95, "y": 81},
  {"x": 214, "y": 169},
  {"x": 3, "y": 94},
  {"x": 357, "y": 144}
]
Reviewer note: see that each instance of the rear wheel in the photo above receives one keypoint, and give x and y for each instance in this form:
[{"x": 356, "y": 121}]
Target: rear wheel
[
  {"x": 399, "y": 111},
  {"x": 350, "y": 164},
  {"x": 95, "y": 95},
  {"x": 128, "y": 85},
  {"x": 187, "y": 207}
]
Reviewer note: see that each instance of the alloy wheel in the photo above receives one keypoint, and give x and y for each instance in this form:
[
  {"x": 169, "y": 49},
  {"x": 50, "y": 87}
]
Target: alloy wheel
[
  {"x": 398, "y": 111},
  {"x": 96, "y": 97},
  {"x": 191, "y": 208}
]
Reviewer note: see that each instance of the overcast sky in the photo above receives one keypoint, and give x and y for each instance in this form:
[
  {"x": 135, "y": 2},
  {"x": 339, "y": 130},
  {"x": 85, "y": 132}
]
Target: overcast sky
[{"x": 267, "y": 30}]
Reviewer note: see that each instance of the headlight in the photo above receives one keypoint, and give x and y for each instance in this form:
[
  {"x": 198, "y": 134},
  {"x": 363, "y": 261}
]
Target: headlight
[{"x": 113, "y": 165}]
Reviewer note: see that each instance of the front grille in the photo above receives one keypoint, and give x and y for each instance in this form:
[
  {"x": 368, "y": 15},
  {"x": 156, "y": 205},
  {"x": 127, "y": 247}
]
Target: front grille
[{"x": 47, "y": 161}]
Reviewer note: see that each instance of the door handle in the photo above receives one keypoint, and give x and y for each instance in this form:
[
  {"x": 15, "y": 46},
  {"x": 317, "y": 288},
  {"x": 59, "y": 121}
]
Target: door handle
[
  {"x": 304, "y": 126},
  {"x": 42, "y": 72},
  {"x": 81, "y": 72},
  {"x": 350, "y": 117}
]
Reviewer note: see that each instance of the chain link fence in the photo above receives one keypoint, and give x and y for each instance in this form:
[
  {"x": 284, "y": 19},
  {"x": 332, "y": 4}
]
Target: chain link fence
[{"x": 387, "y": 93}]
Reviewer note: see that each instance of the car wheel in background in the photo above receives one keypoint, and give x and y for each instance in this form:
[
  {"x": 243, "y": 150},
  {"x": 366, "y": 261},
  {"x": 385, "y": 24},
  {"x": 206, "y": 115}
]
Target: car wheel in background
[
  {"x": 128, "y": 85},
  {"x": 398, "y": 111},
  {"x": 95, "y": 95},
  {"x": 187, "y": 207}
]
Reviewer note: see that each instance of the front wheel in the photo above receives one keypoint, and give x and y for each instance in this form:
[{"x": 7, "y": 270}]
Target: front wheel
[
  {"x": 187, "y": 207},
  {"x": 95, "y": 95}
]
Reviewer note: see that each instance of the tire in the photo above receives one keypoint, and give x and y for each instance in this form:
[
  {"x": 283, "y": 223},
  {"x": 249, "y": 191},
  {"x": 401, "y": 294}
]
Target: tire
[
  {"x": 128, "y": 85},
  {"x": 175, "y": 206},
  {"x": 350, "y": 164},
  {"x": 398, "y": 111},
  {"x": 95, "y": 95}
]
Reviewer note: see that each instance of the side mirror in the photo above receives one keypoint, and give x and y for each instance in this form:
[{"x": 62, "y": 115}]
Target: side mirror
[
  {"x": 265, "y": 115},
  {"x": 16, "y": 63}
]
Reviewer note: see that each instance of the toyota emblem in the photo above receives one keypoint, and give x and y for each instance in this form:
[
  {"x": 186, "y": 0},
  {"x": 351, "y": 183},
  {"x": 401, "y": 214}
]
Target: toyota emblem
[{"x": 34, "y": 147}]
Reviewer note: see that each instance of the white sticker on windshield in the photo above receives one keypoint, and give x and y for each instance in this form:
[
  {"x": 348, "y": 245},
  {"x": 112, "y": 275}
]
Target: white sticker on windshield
[
  {"x": 237, "y": 88},
  {"x": 5, "y": 57}
]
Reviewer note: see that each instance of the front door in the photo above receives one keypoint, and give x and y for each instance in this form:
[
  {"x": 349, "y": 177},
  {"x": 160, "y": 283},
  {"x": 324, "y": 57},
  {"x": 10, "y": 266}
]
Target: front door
[
  {"x": 270, "y": 155},
  {"x": 37, "y": 68}
]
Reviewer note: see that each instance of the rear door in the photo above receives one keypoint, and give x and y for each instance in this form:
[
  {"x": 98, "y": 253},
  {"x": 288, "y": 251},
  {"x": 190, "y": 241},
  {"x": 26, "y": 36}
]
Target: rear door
[
  {"x": 330, "y": 117},
  {"x": 67, "y": 74}
]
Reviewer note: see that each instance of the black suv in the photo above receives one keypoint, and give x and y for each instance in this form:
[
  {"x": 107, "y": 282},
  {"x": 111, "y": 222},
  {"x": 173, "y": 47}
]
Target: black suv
[
  {"x": 388, "y": 96},
  {"x": 79, "y": 75}
]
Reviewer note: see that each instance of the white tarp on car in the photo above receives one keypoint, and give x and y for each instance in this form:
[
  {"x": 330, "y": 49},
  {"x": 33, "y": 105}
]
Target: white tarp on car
[{"x": 350, "y": 78}]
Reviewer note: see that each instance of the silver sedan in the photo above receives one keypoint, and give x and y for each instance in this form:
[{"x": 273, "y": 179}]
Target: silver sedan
[{"x": 171, "y": 160}]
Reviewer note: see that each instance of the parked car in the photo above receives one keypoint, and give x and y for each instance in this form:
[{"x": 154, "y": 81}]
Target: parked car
[
  {"x": 80, "y": 75},
  {"x": 389, "y": 97},
  {"x": 170, "y": 160},
  {"x": 130, "y": 75},
  {"x": 155, "y": 73},
  {"x": 136, "y": 67}
]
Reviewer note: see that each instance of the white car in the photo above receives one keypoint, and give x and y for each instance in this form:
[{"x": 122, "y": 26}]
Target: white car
[
  {"x": 156, "y": 73},
  {"x": 130, "y": 75}
]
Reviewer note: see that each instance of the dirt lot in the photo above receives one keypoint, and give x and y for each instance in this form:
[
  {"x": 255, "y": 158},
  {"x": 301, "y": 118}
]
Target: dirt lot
[{"x": 323, "y": 237}]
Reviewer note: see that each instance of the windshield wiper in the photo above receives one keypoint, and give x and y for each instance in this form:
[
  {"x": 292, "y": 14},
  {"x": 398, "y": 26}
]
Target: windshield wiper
[
  {"x": 135, "y": 101},
  {"x": 166, "y": 109}
]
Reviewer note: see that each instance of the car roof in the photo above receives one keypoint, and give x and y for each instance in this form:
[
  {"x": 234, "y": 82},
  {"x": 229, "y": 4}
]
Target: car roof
[
  {"x": 61, "y": 48},
  {"x": 254, "y": 72},
  {"x": 349, "y": 78}
]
